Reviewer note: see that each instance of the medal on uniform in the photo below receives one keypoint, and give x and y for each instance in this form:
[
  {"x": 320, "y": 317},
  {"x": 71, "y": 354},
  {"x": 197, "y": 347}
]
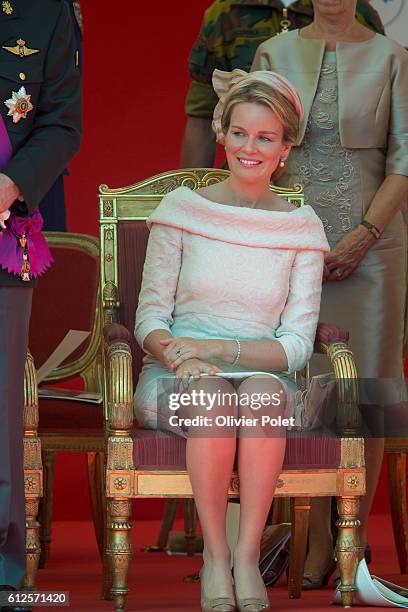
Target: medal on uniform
[
  {"x": 20, "y": 49},
  {"x": 7, "y": 8},
  {"x": 285, "y": 22},
  {"x": 24, "y": 251},
  {"x": 19, "y": 105}
]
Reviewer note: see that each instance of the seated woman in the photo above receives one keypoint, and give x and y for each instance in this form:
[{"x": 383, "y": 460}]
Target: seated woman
[{"x": 229, "y": 306}]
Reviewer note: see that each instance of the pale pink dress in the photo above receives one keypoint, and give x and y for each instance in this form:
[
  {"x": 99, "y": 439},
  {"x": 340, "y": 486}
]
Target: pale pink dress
[{"x": 219, "y": 271}]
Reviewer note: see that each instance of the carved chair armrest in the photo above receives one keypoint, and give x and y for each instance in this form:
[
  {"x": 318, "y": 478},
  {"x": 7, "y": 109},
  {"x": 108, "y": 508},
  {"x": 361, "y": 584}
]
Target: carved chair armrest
[
  {"x": 119, "y": 379},
  {"x": 331, "y": 340},
  {"x": 30, "y": 398}
]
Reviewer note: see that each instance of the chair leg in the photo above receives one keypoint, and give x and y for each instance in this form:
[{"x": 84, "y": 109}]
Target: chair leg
[
  {"x": 190, "y": 524},
  {"x": 107, "y": 569},
  {"x": 45, "y": 509},
  {"x": 32, "y": 542},
  {"x": 119, "y": 549},
  {"x": 348, "y": 547},
  {"x": 397, "y": 477},
  {"x": 169, "y": 514},
  {"x": 283, "y": 510},
  {"x": 96, "y": 487},
  {"x": 299, "y": 518}
]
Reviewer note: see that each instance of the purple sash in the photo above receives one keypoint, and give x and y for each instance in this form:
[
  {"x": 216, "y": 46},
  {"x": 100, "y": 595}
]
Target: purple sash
[{"x": 23, "y": 249}]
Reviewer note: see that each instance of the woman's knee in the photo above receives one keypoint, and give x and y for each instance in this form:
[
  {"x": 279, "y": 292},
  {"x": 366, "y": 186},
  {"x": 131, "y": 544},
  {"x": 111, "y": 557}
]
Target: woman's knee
[
  {"x": 208, "y": 406},
  {"x": 262, "y": 402}
]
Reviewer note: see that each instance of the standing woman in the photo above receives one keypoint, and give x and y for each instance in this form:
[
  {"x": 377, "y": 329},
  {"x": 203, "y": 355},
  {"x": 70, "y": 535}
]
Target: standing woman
[{"x": 352, "y": 159}]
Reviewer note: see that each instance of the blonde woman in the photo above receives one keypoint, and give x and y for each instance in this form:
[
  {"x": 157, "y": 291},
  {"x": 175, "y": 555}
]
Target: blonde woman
[{"x": 229, "y": 306}]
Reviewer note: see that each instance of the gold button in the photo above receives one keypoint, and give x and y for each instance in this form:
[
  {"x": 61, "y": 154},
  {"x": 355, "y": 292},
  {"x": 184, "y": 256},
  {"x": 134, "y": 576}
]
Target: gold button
[{"x": 22, "y": 76}]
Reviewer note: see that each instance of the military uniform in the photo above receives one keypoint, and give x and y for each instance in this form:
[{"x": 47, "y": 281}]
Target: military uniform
[
  {"x": 230, "y": 34},
  {"x": 52, "y": 206},
  {"x": 37, "y": 52}
]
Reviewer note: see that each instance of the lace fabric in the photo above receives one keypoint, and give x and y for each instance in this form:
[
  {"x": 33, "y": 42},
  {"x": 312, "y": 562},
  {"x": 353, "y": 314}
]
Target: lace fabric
[{"x": 329, "y": 173}]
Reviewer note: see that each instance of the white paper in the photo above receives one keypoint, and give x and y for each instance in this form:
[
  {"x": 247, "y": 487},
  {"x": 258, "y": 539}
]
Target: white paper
[
  {"x": 66, "y": 347},
  {"x": 71, "y": 395}
]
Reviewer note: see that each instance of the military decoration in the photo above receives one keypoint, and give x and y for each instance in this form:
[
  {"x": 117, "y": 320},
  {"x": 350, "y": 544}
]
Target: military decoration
[
  {"x": 285, "y": 23},
  {"x": 7, "y": 8},
  {"x": 20, "y": 49},
  {"x": 19, "y": 105},
  {"x": 25, "y": 268}
]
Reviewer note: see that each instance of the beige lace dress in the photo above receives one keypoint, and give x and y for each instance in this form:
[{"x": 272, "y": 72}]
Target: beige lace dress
[{"x": 339, "y": 184}]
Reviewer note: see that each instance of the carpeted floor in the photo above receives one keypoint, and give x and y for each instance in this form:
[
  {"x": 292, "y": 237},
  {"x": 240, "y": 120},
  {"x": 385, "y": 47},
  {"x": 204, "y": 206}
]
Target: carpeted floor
[{"x": 155, "y": 579}]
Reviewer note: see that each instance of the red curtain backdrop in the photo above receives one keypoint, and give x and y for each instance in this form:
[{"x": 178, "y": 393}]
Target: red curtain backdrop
[{"x": 135, "y": 81}]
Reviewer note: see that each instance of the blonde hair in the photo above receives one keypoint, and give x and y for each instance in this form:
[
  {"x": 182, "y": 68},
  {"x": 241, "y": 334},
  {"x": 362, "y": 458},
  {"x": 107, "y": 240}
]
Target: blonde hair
[{"x": 262, "y": 94}]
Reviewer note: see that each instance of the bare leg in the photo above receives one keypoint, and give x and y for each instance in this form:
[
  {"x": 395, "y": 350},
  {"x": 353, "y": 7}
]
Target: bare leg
[
  {"x": 260, "y": 459},
  {"x": 210, "y": 463}
]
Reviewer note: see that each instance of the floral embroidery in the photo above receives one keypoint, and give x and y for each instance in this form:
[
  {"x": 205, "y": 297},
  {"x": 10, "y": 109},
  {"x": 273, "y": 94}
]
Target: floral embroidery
[{"x": 329, "y": 173}]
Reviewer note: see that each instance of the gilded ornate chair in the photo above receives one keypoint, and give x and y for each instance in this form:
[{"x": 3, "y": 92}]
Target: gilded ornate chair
[
  {"x": 66, "y": 298},
  {"x": 144, "y": 463}
]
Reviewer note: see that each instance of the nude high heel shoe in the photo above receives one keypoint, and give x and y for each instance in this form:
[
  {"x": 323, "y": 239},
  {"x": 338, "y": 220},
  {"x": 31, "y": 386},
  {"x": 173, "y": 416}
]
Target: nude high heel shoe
[
  {"x": 215, "y": 604},
  {"x": 253, "y": 604}
]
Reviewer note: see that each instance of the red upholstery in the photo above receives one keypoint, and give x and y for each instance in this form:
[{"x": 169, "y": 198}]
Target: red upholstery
[
  {"x": 115, "y": 332},
  {"x": 65, "y": 299},
  {"x": 163, "y": 450},
  {"x": 67, "y": 417},
  {"x": 331, "y": 333},
  {"x": 132, "y": 242}
]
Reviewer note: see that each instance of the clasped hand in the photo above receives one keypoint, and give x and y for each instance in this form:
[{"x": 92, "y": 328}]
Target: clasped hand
[
  {"x": 179, "y": 350},
  {"x": 347, "y": 254}
]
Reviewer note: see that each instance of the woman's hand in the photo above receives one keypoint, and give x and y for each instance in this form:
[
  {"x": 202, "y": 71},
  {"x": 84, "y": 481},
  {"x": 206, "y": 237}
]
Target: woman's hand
[
  {"x": 347, "y": 254},
  {"x": 178, "y": 350},
  {"x": 194, "y": 368}
]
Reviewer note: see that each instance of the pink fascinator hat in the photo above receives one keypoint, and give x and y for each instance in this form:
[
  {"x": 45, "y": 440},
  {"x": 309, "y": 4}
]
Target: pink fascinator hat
[{"x": 227, "y": 83}]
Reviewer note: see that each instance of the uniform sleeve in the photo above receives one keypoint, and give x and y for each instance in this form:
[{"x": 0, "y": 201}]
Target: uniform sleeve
[
  {"x": 201, "y": 100},
  {"x": 397, "y": 146},
  {"x": 159, "y": 284},
  {"x": 299, "y": 319},
  {"x": 56, "y": 133}
]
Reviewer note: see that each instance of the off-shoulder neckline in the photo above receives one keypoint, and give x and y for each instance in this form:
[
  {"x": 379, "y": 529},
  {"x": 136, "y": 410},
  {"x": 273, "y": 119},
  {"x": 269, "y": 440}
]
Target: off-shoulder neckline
[{"x": 244, "y": 208}]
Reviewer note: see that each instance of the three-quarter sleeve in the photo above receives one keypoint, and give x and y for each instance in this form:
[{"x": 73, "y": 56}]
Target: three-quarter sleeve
[
  {"x": 160, "y": 278},
  {"x": 299, "y": 318},
  {"x": 397, "y": 146}
]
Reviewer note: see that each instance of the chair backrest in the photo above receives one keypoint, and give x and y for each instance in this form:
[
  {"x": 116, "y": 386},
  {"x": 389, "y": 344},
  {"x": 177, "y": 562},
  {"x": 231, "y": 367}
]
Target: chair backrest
[
  {"x": 122, "y": 214},
  {"x": 67, "y": 297}
]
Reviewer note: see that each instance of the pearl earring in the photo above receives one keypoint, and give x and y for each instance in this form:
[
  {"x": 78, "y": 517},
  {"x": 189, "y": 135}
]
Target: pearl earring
[{"x": 282, "y": 163}]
